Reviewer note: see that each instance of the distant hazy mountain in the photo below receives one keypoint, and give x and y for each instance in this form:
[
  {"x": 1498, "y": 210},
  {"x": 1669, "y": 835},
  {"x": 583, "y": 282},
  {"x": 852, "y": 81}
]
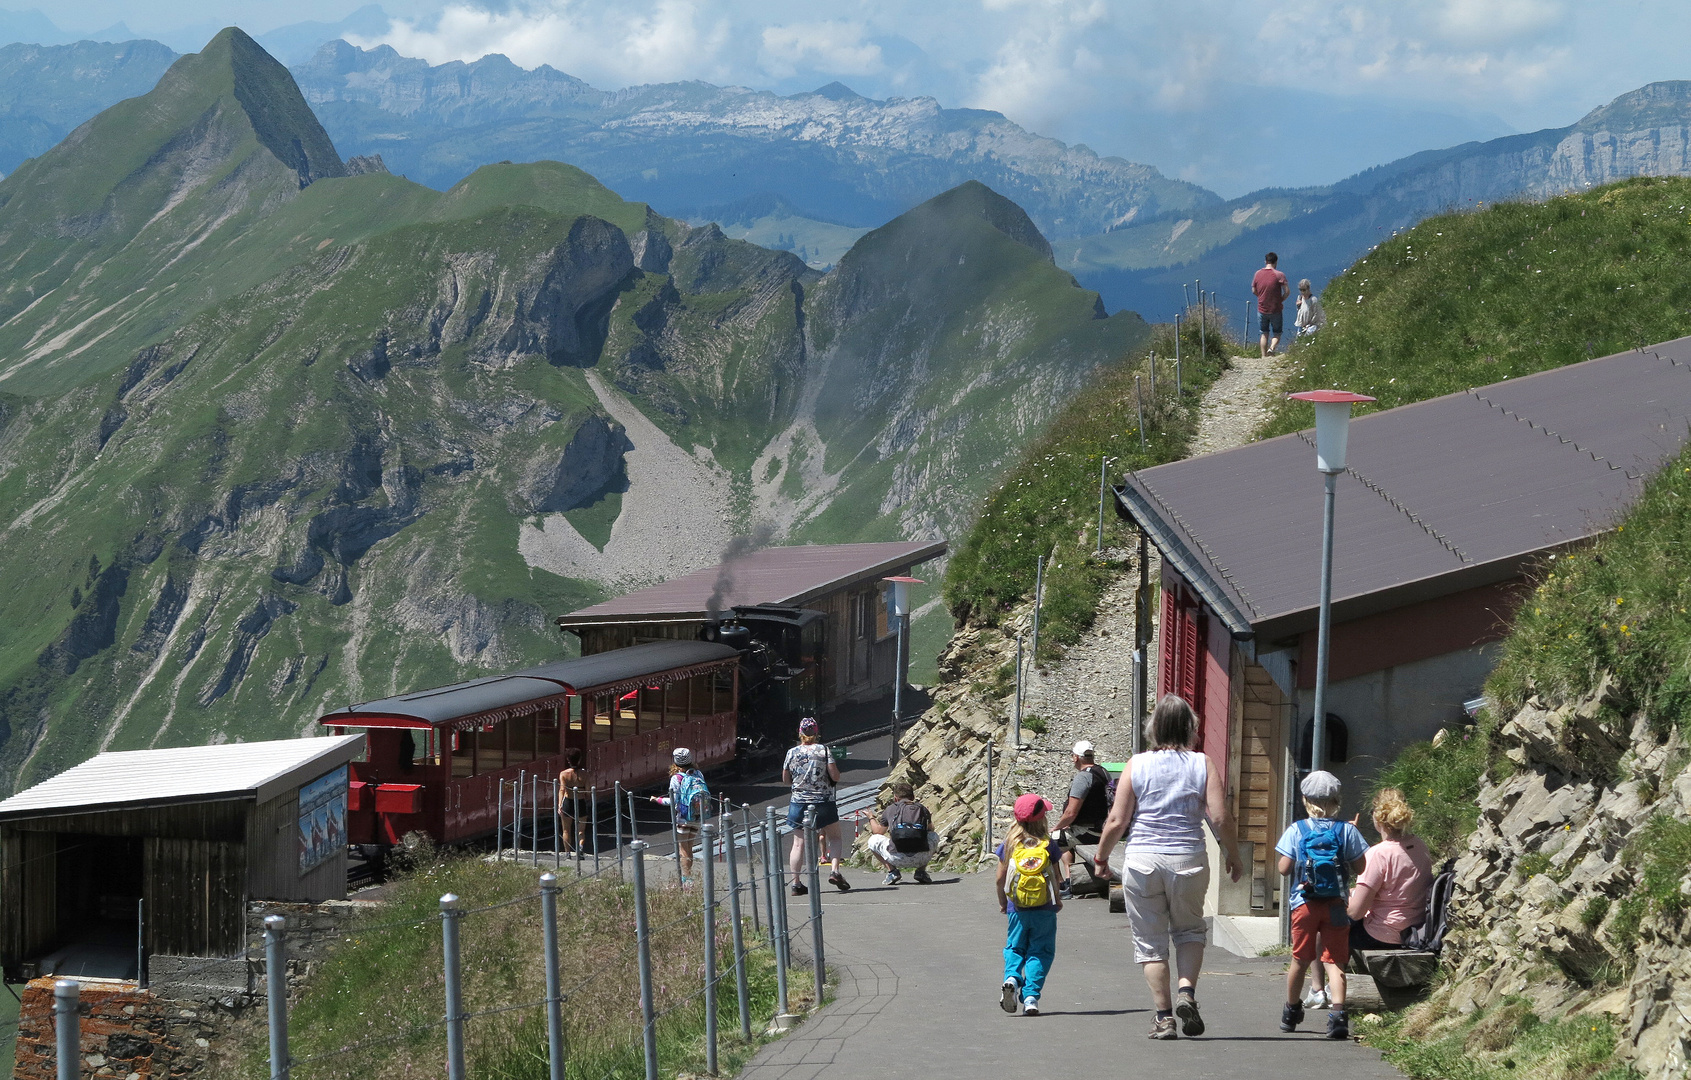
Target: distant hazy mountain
[
  {"x": 681, "y": 146},
  {"x": 47, "y": 90},
  {"x": 1320, "y": 231}
]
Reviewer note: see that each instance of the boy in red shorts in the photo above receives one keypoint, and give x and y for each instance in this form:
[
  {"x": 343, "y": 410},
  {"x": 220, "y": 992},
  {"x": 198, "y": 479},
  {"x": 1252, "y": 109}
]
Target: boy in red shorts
[{"x": 1322, "y": 854}]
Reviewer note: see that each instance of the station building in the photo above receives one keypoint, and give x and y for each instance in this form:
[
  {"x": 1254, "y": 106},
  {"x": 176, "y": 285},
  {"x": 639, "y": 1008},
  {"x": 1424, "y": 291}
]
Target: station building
[{"x": 1449, "y": 510}]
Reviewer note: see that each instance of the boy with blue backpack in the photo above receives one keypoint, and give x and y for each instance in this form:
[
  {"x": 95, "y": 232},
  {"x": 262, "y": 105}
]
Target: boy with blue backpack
[{"x": 1321, "y": 853}]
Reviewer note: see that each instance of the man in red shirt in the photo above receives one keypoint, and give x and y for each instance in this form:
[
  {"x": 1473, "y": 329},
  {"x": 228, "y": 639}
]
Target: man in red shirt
[{"x": 1271, "y": 291}]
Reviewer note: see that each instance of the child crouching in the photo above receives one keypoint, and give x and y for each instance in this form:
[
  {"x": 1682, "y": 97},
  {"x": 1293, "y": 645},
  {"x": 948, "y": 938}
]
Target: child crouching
[
  {"x": 1027, "y": 894},
  {"x": 1321, "y": 853}
]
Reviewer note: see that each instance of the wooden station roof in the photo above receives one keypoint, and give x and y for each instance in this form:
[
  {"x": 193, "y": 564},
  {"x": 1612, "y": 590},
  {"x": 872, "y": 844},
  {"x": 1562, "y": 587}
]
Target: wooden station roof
[{"x": 786, "y": 576}]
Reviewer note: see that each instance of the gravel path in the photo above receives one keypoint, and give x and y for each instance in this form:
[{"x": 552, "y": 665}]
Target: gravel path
[
  {"x": 1088, "y": 695},
  {"x": 674, "y": 519}
]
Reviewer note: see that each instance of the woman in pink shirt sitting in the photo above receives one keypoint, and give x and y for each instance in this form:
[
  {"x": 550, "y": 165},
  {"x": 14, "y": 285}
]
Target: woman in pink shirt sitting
[{"x": 1391, "y": 895}]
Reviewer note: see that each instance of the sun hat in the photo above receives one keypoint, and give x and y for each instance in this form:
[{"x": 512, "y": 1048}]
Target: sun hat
[
  {"x": 682, "y": 756},
  {"x": 1321, "y": 786},
  {"x": 1083, "y": 748},
  {"x": 809, "y": 726},
  {"x": 1031, "y": 806}
]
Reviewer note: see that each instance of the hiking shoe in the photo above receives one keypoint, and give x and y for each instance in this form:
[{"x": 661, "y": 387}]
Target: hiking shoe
[
  {"x": 1338, "y": 1025},
  {"x": 1316, "y": 999},
  {"x": 839, "y": 882},
  {"x": 1162, "y": 1027},
  {"x": 1186, "y": 1009},
  {"x": 893, "y": 878},
  {"x": 1030, "y": 1007},
  {"x": 1291, "y": 1015},
  {"x": 1066, "y": 892},
  {"x": 799, "y": 888},
  {"x": 922, "y": 877},
  {"x": 1007, "y": 995}
]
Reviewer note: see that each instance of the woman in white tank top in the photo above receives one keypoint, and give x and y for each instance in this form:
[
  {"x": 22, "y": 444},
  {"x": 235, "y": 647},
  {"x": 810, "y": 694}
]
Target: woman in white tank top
[{"x": 1166, "y": 794}]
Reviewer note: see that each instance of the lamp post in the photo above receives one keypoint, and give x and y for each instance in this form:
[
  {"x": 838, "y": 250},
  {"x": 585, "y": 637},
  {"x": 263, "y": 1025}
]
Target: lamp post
[
  {"x": 900, "y": 597},
  {"x": 1332, "y": 432}
]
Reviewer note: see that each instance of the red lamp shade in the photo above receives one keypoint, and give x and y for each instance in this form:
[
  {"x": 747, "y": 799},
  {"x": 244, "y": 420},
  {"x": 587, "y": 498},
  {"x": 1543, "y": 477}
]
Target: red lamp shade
[{"x": 1332, "y": 424}]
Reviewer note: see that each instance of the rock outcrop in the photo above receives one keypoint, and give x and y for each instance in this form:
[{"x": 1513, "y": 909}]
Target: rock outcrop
[{"x": 1563, "y": 896}]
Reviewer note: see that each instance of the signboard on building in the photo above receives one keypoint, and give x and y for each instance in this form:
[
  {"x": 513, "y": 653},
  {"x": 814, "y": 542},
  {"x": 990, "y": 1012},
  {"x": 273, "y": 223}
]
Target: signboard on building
[{"x": 322, "y": 818}]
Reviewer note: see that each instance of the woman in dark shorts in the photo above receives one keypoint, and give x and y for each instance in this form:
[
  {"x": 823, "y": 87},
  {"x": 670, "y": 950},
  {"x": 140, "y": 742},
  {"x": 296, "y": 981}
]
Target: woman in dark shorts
[{"x": 813, "y": 774}]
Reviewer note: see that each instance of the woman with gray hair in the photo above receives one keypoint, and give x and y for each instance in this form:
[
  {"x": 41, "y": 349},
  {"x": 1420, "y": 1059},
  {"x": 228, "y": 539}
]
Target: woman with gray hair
[
  {"x": 1310, "y": 315},
  {"x": 1164, "y": 795}
]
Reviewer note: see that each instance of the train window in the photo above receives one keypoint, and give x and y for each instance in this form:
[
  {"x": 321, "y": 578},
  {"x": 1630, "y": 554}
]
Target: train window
[
  {"x": 598, "y": 714},
  {"x": 550, "y": 739},
  {"x": 674, "y": 703},
  {"x": 464, "y": 752},
  {"x": 650, "y": 702},
  {"x": 520, "y": 739},
  {"x": 576, "y": 705},
  {"x": 490, "y": 749},
  {"x": 722, "y": 690}
]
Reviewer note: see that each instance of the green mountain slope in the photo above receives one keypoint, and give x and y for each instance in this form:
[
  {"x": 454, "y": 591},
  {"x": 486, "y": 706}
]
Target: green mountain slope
[{"x": 274, "y": 437}]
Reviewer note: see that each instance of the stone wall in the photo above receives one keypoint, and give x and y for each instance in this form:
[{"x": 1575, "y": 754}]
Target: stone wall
[
  {"x": 172, "y": 1028},
  {"x": 1545, "y": 880}
]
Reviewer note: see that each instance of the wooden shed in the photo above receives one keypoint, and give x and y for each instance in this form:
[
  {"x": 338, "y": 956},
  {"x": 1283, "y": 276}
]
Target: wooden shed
[{"x": 165, "y": 848}]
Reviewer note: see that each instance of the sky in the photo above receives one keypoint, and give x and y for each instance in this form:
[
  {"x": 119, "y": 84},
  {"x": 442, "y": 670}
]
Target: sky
[{"x": 1232, "y": 94}]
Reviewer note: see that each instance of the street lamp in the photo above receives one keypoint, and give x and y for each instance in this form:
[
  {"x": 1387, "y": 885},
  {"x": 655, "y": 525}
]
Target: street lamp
[
  {"x": 1332, "y": 432},
  {"x": 900, "y": 604}
]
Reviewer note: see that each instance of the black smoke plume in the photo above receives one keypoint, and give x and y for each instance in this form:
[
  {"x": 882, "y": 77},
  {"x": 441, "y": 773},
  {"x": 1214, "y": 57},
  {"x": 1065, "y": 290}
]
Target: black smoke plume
[{"x": 738, "y": 548}]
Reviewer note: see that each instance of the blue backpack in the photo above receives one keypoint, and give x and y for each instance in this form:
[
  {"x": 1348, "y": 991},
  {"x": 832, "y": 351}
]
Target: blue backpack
[
  {"x": 1320, "y": 858},
  {"x": 691, "y": 787}
]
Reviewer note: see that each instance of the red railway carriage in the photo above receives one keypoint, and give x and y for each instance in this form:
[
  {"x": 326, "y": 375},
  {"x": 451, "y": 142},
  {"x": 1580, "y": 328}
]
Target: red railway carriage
[{"x": 435, "y": 757}]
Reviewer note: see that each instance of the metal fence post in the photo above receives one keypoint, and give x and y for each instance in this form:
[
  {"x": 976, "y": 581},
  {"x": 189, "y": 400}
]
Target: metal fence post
[
  {"x": 499, "y": 822},
  {"x": 141, "y": 943},
  {"x": 517, "y": 817},
  {"x": 276, "y": 989},
  {"x": 616, "y": 815},
  {"x": 988, "y": 814},
  {"x": 813, "y": 853},
  {"x": 593, "y": 801},
  {"x": 742, "y": 994},
  {"x": 751, "y": 866},
  {"x": 534, "y": 828},
  {"x": 554, "y": 985},
  {"x": 778, "y": 918},
  {"x": 454, "y": 987},
  {"x": 707, "y": 832},
  {"x": 643, "y": 940},
  {"x": 575, "y": 832},
  {"x": 67, "y": 1019},
  {"x": 770, "y": 856}
]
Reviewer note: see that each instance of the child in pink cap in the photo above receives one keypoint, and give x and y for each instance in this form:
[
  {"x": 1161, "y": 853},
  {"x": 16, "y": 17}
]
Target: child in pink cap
[{"x": 1027, "y": 894}]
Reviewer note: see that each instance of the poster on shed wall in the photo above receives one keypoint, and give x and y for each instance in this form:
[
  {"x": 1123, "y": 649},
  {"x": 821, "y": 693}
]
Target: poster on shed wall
[{"x": 322, "y": 818}]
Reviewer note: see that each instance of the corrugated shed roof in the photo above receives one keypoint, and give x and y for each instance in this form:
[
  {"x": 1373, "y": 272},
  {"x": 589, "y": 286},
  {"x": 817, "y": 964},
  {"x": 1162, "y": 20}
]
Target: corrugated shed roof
[
  {"x": 775, "y": 575},
  {"x": 482, "y": 697},
  {"x": 136, "y": 778},
  {"x": 1441, "y": 495}
]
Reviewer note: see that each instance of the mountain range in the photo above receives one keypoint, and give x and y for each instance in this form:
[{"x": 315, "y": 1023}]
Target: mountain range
[{"x": 280, "y": 429}]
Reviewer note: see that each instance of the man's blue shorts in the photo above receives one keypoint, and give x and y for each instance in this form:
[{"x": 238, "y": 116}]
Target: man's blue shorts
[
  {"x": 827, "y": 813},
  {"x": 1272, "y": 324}
]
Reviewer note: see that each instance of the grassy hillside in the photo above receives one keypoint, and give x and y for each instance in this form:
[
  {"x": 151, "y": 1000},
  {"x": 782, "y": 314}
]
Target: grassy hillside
[
  {"x": 1048, "y": 503},
  {"x": 1468, "y": 299}
]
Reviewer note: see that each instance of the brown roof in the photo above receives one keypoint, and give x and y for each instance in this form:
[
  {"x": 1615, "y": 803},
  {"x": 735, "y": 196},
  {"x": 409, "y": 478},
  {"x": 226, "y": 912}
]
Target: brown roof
[
  {"x": 1440, "y": 496},
  {"x": 776, "y": 575}
]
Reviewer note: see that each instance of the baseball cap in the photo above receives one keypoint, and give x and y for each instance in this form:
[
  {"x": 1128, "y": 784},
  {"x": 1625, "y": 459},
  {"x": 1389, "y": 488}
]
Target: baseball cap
[
  {"x": 809, "y": 726},
  {"x": 1083, "y": 748},
  {"x": 1320, "y": 785},
  {"x": 1030, "y": 806},
  {"x": 682, "y": 756}
]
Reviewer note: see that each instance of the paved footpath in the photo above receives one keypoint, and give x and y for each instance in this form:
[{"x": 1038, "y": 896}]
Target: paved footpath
[{"x": 919, "y": 968}]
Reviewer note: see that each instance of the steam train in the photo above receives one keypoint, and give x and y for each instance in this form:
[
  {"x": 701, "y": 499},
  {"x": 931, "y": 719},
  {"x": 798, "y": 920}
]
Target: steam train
[{"x": 435, "y": 759}]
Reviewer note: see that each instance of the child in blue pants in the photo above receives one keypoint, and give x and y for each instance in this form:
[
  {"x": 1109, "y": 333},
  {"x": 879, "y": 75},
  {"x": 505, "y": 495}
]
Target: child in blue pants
[{"x": 1027, "y": 894}]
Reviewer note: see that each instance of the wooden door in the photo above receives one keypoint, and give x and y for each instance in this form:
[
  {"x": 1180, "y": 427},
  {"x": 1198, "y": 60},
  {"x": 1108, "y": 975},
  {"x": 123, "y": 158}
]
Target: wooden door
[{"x": 196, "y": 897}]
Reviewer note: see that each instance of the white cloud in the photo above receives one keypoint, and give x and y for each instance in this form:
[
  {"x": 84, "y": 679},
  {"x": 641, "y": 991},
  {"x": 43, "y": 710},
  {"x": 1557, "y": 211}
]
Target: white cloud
[{"x": 835, "y": 46}]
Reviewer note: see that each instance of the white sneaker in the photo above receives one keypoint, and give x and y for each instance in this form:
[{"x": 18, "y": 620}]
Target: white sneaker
[
  {"x": 1316, "y": 998},
  {"x": 1030, "y": 1007},
  {"x": 1007, "y": 995}
]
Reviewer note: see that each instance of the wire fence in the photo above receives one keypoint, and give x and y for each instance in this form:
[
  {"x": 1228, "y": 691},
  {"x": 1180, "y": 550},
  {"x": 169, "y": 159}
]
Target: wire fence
[{"x": 705, "y": 937}]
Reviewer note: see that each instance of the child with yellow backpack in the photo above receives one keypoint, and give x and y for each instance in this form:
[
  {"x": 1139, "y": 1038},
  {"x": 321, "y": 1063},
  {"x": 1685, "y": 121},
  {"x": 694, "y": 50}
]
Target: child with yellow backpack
[{"x": 1027, "y": 894}]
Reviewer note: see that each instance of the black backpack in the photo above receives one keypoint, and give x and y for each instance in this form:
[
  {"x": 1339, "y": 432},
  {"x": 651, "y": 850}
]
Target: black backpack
[
  {"x": 1096, "y": 806},
  {"x": 1429, "y": 936},
  {"x": 909, "y": 837}
]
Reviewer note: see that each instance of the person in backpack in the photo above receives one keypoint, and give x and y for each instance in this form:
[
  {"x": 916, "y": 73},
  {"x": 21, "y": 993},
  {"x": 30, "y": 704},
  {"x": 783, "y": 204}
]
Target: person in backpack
[
  {"x": 1088, "y": 804},
  {"x": 686, "y": 801},
  {"x": 1166, "y": 794},
  {"x": 1320, "y": 852},
  {"x": 902, "y": 837},
  {"x": 1391, "y": 893},
  {"x": 1029, "y": 898},
  {"x": 813, "y": 774}
]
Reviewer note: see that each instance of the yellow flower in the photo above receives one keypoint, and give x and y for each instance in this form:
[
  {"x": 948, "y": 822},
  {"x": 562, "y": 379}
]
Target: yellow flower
[{"x": 1620, "y": 599}]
